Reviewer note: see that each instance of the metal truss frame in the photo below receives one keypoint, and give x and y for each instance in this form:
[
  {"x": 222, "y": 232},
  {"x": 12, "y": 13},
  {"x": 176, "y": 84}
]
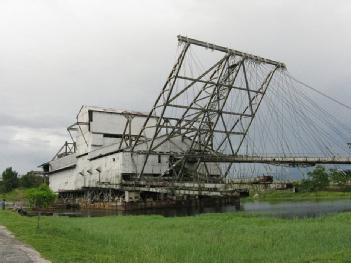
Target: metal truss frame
[{"x": 200, "y": 117}]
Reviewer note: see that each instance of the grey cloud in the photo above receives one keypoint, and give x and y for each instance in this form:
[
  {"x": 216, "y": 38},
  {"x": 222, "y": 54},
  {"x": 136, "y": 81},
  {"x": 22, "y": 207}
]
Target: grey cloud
[
  {"x": 22, "y": 159},
  {"x": 39, "y": 121},
  {"x": 59, "y": 55},
  {"x": 26, "y": 148}
]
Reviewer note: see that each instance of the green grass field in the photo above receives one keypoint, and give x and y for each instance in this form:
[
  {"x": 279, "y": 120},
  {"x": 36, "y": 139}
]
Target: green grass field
[{"x": 231, "y": 237}]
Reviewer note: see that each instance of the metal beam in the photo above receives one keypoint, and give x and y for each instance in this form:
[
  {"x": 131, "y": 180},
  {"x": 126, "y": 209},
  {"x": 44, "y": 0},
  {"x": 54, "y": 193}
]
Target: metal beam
[
  {"x": 230, "y": 51},
  {"x": 199, "y": 129},
  {"x": 216, "y": 84},
  {"x": 210, "y": 110},
  {"x": 274, "y": 159}
]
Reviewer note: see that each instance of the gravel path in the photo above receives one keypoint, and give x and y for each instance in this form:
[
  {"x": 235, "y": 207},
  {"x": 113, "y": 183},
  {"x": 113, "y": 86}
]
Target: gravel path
[{"x": 14, "y": 251}]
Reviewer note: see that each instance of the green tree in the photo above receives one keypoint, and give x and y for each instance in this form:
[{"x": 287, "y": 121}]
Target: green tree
[
  {"x": 318, "y": 179},
  {"x": 31, "y": 179},
  {"x": 9, "y": 180},
  {"x": 340, "y": 177},
  {"x": 40, "y": 197}
]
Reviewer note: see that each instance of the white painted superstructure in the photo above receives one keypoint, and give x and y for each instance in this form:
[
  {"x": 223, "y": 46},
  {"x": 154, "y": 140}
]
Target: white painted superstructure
[{"x": 96, "y": 158}]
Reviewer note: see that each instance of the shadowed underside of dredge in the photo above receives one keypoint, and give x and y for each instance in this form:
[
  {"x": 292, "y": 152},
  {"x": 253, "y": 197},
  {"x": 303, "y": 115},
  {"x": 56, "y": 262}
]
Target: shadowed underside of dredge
[{"x": 189, "y": 146}]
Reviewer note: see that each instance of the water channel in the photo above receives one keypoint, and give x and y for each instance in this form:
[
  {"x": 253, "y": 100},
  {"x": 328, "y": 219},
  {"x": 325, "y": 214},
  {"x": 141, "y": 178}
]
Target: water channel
[{"x": 282, "y": 209}]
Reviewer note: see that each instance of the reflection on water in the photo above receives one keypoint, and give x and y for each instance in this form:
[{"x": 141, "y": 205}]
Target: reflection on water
[
  {"x": 298, "y": 209},
  {"x": 280, "y": 209}
]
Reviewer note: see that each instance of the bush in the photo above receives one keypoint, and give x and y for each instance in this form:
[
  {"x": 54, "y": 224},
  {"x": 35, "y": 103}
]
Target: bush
[
  {"x": 306, "y": 186},
  {"x": 41, "y": 197},
  {"x": 9, "y": 180}
]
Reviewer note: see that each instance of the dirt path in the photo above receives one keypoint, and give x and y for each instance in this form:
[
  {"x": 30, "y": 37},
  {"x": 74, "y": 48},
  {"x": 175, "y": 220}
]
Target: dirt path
[{"x": 14, "y": 251}]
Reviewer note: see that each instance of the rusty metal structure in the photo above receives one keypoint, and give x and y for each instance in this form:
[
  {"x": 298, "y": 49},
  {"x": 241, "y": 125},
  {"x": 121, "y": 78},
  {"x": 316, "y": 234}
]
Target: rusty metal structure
[{"x": 189, "y": 143}]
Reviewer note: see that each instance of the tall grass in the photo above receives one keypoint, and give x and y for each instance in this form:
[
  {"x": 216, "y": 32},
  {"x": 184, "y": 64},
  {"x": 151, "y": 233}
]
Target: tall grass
[
  {"x": 205, "y": 238},
  {"x": 17, "y": 194}
]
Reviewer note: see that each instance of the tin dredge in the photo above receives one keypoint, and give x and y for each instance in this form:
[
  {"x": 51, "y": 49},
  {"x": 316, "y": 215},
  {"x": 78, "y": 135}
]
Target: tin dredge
[{"x": 182, "y": 152}]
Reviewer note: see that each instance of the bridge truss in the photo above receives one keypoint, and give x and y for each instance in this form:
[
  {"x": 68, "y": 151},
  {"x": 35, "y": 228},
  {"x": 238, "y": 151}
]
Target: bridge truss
[{"x": 213, "y": 109}]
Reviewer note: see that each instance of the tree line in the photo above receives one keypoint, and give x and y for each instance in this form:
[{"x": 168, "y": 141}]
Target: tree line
[
  {"x": 11, "y": 180},
  {"x": 321, "y": 178}
]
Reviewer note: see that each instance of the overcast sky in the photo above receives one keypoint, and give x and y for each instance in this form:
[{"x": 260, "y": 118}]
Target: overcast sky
[{"x": 57, "y": 55}]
